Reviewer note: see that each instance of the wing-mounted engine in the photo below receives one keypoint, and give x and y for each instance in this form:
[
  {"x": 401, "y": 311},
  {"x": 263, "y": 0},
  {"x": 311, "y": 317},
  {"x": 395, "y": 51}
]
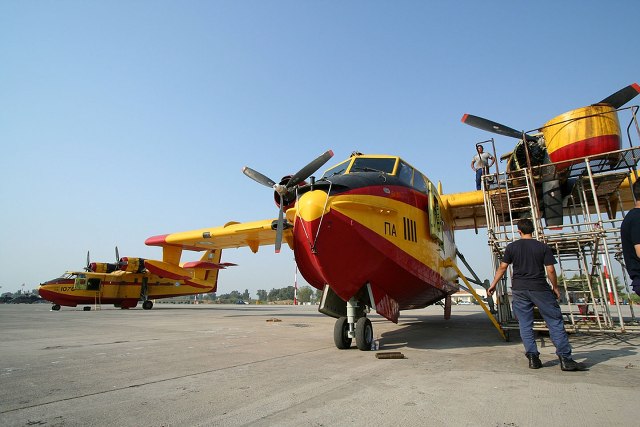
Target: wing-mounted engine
[
  {"x": 285, "y": 193},
  {"x": 101, "y": 267},
  {"x": 289, "y": 198},
  {"x": 132, "y": 265}
]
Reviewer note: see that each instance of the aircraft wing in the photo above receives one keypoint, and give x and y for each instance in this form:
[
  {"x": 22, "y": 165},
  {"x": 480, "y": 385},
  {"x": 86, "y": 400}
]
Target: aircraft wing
[
  {"x": 231, "y": 235},
  {"x": 466, "y": 209}
]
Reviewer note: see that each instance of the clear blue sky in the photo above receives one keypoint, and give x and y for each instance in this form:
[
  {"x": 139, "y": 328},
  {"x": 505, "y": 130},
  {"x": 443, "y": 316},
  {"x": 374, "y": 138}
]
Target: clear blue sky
[{"x": 120, "y": 120}]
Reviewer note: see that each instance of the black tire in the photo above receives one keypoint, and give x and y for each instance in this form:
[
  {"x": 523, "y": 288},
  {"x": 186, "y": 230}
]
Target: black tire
[
  {"x": 364, "y": 334},
  {"x": 147, "y": 305},
  {"x": 86, "y": 308},
  {"x": 55, "y": 307},
  {"x": 341, "y": 334}
]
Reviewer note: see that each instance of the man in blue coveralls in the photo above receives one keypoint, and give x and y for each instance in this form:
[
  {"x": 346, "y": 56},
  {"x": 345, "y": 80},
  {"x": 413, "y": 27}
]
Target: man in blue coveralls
[{"x": 531, "y": 259}]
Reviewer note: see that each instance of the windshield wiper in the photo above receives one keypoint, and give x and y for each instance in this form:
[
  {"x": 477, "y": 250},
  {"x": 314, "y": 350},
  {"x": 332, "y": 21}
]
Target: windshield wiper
[{"x": 366, "y": 169}]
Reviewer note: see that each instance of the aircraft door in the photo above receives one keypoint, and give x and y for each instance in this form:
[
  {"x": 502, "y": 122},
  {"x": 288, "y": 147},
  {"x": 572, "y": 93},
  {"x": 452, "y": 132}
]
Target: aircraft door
[
  {"x": 80, "y": 283},
  {"x": 435, "y": 217}
]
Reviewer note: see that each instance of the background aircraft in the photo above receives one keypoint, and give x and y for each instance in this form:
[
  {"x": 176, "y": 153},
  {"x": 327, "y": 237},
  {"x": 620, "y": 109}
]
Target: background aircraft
[{"x": 130, "y": 280}]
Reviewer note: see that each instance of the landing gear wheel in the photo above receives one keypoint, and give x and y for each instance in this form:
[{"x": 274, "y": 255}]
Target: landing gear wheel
[
  {"x": 364, "y": 334},
  {"x": 341, "y": 334},
  {"x": 86, "y": 308},
  {"x": 55, "y": 307},
  {"x": 147, "y": 305}
]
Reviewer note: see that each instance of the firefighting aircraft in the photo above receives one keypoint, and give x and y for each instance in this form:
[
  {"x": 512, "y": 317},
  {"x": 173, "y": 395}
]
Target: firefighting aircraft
[
  {"x": 130, "y": 280},
  {"x": 373, "y": 233}
]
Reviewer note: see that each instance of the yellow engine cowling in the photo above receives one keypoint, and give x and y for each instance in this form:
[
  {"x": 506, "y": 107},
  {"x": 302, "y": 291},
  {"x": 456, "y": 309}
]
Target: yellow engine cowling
[
  {"x": 102, "y": 267},
  {"x": 583, "y": 132},
  {"x": 132, "y": 265}
]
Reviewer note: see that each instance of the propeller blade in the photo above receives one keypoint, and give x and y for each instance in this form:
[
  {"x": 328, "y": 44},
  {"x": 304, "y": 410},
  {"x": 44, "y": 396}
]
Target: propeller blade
[
  {"x": 258, "y": 177},
  {"x": 117, "y": 256},
  {"x": 489, "y": 126},
  {"x": 88, "y": 267},
  {"x": 280, "y": 226},
  {"x": 622, "y": 96},
  {"x": 306, "y": 171}
]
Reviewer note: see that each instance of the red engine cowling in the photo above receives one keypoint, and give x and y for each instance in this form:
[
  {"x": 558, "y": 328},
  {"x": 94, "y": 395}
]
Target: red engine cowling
[
  {"x": 289, "y": 198},
  {"x": 132, "y": 265}
]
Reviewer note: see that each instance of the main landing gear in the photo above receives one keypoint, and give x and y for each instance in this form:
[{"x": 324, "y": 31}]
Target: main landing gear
[
  {"x": 55, "y": 307},
  {"x": 351, "y": 326},
  {"x": 147, "y": 304}
]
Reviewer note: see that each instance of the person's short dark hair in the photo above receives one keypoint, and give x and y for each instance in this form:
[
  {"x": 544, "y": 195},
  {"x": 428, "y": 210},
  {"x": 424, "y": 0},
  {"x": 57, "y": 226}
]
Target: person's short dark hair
[
  {"x": 636, "y": 189},
  {"x": 526, "y": 226}
]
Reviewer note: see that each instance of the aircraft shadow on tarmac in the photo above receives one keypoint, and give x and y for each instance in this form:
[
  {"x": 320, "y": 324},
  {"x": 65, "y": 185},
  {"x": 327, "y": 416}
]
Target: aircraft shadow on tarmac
[
  {"x": 434, "y": 332},
  {"x": 474, "y": 330}
]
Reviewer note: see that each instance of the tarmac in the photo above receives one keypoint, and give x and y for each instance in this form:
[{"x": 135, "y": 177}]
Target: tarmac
[{"x": 259, "y": 365}]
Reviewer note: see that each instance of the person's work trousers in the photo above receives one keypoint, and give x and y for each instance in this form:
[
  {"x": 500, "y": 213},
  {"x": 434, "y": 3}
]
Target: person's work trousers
[
  {"x": 479, "y": 173},
  {"x": 523, "y": 303}
]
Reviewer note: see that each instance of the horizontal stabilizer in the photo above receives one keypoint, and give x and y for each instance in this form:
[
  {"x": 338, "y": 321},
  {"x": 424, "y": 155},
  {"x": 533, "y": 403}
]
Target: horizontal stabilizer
[
  {"x": 164, "y": 269},
  {"x": 205, "y": 265}
]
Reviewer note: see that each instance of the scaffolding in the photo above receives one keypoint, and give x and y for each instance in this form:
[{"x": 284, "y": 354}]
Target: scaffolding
[{"x": 577, "y": 210}]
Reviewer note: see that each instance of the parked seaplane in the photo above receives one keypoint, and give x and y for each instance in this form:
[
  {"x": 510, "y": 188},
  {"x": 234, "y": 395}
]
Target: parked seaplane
[
  {"x": 373, "y": 233},
  {"x": 130, "y": 280}
]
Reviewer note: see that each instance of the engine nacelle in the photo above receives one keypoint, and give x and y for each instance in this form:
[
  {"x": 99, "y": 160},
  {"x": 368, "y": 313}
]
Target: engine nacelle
[
  {"x": 102, "y": 267},
  {"x": 132, "y": 265},
  {"x": 289, "y": 198}
]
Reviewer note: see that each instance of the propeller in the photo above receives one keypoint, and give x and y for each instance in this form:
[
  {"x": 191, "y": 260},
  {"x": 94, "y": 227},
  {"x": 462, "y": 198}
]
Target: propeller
[
  {"x": 615, "y": 100},
  {"x": 88, "y": 267},
  {"x": 622, "y": 96},
  {"x": 494, "y": 127},
  {"x": 283, "y": 189}
]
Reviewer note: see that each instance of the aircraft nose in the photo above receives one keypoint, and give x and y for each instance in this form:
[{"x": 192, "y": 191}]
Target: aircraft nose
[{"x": 312, "y": 205}]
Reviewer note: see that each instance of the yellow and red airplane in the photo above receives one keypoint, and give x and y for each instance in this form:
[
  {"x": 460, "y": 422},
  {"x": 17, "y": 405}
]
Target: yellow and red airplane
[
  {"x": 130, "y": 280},
  {"x": 373, "y": 232}
]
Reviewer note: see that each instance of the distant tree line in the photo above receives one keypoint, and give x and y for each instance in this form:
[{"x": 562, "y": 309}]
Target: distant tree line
[{"x": 305, "y": 294}]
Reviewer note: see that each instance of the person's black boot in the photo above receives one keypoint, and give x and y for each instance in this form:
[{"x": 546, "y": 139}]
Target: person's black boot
[
  {"x": 568, "y": 364},
  {"x": 534, "y": 361}
]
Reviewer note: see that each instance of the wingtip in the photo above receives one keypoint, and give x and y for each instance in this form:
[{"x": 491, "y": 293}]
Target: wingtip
[
  {"x": 156, "y": 240},
  {"x": 636, "y": 86},
  {"x": 464, "y": 118}
]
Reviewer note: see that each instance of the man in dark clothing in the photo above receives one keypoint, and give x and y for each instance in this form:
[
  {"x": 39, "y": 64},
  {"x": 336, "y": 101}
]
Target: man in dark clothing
[
  {"x": 529, "y": 288},
  {"x": 630, "y": 234}
]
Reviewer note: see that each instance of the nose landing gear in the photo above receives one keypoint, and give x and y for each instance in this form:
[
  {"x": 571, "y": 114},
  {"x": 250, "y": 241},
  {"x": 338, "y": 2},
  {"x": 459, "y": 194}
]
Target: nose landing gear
[{"x": 350, "y": 326}]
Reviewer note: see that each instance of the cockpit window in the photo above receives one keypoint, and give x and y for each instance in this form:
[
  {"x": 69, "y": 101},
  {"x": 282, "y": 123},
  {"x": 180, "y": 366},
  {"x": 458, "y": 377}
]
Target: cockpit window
[
  {"x": 420, "y": 182},
  {"x": 337, "y": 170},
  {"x": 405, "y": 173},
  {"x": 367, "y": 164}
]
